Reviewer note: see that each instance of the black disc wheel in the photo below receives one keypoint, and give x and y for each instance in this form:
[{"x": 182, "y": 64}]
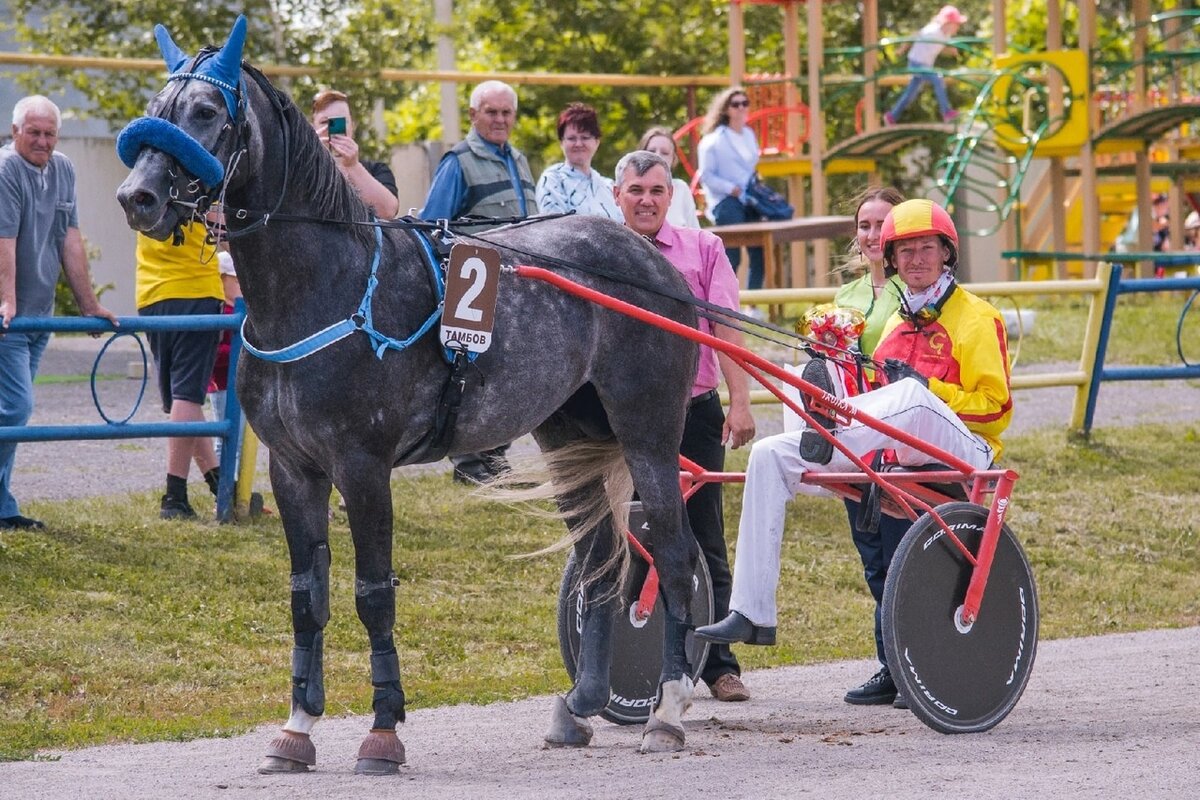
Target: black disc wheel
[
  {"x": 959, "y": 678},
  {"x": 637, "y": 645}
]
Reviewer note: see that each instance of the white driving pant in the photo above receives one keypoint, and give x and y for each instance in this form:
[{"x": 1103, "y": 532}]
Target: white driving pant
[{"x": 776, "y": 470}]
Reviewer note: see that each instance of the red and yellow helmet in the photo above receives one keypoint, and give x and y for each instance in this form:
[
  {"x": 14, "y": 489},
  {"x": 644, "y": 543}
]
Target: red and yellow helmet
[{"x": 914, "y": 218}]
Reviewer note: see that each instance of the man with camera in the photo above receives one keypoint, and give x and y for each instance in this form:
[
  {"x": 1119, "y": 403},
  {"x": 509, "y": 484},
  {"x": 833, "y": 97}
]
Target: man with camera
[{"x": 373, "y": 180}]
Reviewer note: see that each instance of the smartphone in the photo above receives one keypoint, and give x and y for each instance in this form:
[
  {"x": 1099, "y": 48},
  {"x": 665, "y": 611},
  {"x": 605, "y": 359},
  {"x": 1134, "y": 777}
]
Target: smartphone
[{"x": 337, "y": 125}]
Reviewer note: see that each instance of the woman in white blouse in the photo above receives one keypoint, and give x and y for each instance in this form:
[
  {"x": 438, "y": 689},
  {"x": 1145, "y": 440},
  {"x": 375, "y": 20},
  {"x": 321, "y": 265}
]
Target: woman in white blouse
[
  {"x": 572, "y": 185},
  {"x": 682, "y": 213},
  {"x": 728, "y": 156}
]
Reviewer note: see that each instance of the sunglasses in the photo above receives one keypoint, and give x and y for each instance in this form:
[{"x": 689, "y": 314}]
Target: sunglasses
[{"x": 739, "y": 103}]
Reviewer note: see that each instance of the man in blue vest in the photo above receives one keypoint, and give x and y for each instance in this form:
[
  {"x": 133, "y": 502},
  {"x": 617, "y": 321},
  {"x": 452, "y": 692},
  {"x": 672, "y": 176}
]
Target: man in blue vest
[{"x": 483, "y": 176}]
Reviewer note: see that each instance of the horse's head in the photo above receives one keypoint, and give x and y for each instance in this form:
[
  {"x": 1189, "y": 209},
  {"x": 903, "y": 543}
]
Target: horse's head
[{"x": 185, "y": 150}]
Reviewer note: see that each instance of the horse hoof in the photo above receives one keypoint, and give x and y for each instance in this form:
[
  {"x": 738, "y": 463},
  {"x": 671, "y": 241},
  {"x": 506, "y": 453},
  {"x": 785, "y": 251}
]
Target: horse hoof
[
  {"x": 566, "y": 729},
  {"x": 662, "y": 737},
  {"x": 376, "y": 766},
  {"x": 289, "y": 752},
  {"x": 381, "y": 753},
  {"x": 273, "y": 765}
]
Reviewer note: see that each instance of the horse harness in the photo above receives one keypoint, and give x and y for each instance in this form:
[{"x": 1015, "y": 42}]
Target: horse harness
[{"x": 435, "y": 240}]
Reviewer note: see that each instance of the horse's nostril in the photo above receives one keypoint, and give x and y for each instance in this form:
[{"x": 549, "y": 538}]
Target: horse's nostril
[{"x": 144, "y": 199}]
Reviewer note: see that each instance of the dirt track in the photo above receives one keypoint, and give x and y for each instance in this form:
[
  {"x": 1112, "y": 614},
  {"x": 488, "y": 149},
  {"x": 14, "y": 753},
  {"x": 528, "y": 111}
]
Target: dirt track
[{"x": 1104, "y": 717}]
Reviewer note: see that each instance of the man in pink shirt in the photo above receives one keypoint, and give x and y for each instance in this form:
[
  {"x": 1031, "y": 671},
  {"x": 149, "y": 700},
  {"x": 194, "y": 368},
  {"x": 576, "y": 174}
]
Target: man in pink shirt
[{"x": 643, "y": 192}]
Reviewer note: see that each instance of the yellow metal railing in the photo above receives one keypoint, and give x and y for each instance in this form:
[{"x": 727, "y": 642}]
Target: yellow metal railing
[{"x": 1081, "y": 378}]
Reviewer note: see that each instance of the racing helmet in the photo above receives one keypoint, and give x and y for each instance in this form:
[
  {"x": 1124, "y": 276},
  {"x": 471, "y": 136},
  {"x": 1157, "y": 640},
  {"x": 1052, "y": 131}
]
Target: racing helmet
[{"x": 914, "y": 218}]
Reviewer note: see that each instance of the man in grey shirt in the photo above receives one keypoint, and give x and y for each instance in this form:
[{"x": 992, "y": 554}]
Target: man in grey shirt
[{"x": 39, "y": 236}]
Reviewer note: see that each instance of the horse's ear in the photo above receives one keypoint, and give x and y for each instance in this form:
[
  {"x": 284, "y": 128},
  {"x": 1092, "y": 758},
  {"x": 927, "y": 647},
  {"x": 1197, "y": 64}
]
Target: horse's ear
[
  {"x": 171, "y": 53},
  {"x": 229, "y": 59}
]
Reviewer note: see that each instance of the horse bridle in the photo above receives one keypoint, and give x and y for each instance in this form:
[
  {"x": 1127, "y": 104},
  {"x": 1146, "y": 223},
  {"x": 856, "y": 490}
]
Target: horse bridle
[{"x": 239, "y": 126}]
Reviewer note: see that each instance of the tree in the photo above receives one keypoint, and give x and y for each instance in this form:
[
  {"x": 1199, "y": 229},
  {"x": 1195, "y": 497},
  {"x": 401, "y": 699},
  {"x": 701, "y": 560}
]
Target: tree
[
  {"x": 295, "y": 32},
  {"x": 345, "y": 41}
]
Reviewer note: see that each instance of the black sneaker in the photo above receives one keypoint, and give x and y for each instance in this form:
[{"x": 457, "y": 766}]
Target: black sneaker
[
  {"x": 814, "y": 447},
  {"x": 18, "y": 523},
  {"x": 176, "y": 508},
  {"x": 879, "y": 690},
  {"x": 474, "y": 473}
]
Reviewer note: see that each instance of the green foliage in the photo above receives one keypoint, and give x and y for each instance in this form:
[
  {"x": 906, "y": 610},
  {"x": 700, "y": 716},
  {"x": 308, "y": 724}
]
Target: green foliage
[
  {"x": 347, "y": 42},
  {"x": 116, "y": 626},
  {"x": 65, "y": 304},
  {"x": 64, "y": 299}
]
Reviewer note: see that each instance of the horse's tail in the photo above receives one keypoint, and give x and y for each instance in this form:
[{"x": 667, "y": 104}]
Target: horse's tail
[{"x": 568, "y": 476}]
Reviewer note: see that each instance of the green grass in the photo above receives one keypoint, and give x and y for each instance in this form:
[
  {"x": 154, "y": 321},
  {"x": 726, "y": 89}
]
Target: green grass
[
  {"x": 1143, "y": 330},
  {"x": 45, "y": 380},
  {"x": 115, "y": 626}
]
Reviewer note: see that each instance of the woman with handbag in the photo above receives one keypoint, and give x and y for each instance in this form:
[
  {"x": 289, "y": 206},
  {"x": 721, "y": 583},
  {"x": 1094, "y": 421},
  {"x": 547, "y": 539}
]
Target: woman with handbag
[{"x": 728, "y": 157}]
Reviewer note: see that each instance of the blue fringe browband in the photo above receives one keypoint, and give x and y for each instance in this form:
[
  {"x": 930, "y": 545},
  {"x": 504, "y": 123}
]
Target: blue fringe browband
[{"x": 162, "y": 135}]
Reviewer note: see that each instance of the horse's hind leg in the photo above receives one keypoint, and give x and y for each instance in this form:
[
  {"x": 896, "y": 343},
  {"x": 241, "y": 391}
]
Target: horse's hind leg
[
  {"x": 675, "y": 554},
  {"x": 366, "y": 488},
  {"x": 602, "y": 601},
  {"x": 303, "y": 501},
  {"x": 590, "y": 693}
]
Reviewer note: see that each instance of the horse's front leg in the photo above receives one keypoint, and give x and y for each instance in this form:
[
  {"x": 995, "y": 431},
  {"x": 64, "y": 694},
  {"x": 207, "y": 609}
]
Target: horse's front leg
[
  {"x": 367, "y": 490},
  {"x": 675, "y": 556},
  {"x": 302, "y": 497}
]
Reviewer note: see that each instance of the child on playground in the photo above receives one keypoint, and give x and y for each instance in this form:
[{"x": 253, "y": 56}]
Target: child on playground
[{"x": 922, "y": 55}]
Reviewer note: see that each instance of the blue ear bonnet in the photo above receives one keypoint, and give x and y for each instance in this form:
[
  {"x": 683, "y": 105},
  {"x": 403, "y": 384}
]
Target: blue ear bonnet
[{"x": 222, "y": 69}]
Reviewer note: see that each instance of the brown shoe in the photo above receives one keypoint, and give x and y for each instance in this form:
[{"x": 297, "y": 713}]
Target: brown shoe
[{"x": 729, "y": 689}]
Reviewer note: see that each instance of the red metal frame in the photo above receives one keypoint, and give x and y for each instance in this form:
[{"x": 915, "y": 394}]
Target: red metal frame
[{"x": 902, "y": 488}]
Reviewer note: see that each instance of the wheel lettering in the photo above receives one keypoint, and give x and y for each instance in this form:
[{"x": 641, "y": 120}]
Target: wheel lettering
[{"x": 1021, "y": 642}]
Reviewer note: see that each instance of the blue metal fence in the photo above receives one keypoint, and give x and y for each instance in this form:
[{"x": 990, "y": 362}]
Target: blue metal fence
[
  {"x": 228, "y": 429},
  {"x": 1116, "y": 287}
]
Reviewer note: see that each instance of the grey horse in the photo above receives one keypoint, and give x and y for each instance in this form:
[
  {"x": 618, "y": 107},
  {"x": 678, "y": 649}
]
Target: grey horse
[{"x": 560, "y": 367}]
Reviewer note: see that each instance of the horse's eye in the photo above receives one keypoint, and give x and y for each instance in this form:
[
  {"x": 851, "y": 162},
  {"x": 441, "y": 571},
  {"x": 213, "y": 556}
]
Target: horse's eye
[{"x": 206, "y": 114}]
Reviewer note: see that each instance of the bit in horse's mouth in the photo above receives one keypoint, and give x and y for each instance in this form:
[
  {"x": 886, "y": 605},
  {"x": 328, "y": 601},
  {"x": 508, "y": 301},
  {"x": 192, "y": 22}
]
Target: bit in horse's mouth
[{"x": 162, "y": 228}]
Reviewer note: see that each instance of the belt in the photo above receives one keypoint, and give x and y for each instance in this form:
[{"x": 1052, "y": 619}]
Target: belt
[{"x": 702, "y": 398}]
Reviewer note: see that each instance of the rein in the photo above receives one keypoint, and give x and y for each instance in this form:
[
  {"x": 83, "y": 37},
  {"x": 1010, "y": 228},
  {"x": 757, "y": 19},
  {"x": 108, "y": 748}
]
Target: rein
[{"x": 361, "y": 319}]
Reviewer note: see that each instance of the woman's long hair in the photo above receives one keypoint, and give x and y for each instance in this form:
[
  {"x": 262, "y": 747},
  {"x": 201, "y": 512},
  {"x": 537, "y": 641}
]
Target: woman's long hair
[
  {"x": 659, "y": 130},
  {"x": 718, "y": 109},
  {"x": 855, "y": 262}
]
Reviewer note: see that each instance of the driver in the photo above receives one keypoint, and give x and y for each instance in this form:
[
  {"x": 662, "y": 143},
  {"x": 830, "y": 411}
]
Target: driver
[{"x": 946, "y": 381}]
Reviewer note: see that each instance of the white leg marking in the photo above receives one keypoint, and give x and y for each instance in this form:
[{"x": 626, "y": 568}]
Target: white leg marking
[{"x": 300, "y": 721}]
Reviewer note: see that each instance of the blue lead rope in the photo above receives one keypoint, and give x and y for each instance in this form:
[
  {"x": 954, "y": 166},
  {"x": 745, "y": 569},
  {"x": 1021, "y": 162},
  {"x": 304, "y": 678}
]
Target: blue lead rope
[{"x": 361, "y": 321}]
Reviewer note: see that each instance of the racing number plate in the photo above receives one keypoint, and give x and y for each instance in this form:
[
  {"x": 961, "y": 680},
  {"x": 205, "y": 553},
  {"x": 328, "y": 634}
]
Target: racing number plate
[{"x": 472, "y": 280}]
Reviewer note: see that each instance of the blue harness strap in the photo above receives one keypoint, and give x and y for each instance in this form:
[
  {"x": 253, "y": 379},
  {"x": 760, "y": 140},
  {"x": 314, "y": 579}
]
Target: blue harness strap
[{"x": 362, "y": 320}]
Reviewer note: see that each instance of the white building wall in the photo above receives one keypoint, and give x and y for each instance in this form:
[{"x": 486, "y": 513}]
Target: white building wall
[{"x": 98, "y": 173}]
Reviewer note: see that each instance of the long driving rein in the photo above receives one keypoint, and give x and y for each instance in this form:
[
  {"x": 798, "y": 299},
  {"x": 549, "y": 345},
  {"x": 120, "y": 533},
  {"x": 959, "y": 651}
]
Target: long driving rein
[{"x": 157, "y": 132}]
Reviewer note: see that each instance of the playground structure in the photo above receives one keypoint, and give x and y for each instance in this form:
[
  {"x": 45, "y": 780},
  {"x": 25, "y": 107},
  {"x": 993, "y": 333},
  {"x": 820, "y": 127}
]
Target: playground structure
[{"x": 1059, "y": 151}]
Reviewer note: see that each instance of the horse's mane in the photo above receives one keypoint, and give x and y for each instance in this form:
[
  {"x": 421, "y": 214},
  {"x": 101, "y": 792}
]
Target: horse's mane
[{"x": 313, "y": 171}]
